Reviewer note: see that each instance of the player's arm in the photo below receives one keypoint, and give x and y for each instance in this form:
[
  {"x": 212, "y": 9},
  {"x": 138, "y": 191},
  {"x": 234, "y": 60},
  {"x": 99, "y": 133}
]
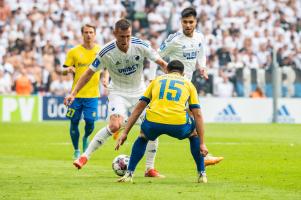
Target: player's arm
[
  {"x": 153, "y": 55},
  {"x": 105, "y": 78},
  {"x": 199, "y": 124},
  {"x": 79, "y": 85},
  {"x": 194, "y": 106},
  {"x": 131, "y": 121},
  {"x": 67, "y": 69},
  {"x": 167, "y": 46},
  {"x": 201, "y": 60},
  {"x": 68, "y": 66},
  {"x": 162, "y": 64}
]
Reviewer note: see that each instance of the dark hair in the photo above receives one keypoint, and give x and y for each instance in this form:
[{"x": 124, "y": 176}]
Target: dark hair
[
  {"x": 122, "y": 24},
  {"x": 187, "y": 12},
  {"x": 175, "y": 65},
  {"x": 88, "y": 25}
]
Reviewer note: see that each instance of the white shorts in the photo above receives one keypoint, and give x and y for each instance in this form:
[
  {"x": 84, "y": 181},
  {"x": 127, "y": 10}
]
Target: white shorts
[{"x": 121, "y": 105}]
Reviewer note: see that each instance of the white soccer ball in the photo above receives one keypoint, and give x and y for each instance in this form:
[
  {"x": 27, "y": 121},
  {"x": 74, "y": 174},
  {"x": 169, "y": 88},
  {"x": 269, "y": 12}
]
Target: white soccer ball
[{"x": 120, "y": 164}]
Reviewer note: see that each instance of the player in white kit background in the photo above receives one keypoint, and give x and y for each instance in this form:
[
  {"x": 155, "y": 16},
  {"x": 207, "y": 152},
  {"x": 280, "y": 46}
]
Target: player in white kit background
[
  {"x": 123, "y": 58},
  {"x": 188, "y": 46}
]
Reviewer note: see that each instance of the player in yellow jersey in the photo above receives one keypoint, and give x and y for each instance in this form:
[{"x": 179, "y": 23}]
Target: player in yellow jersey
[
  {"x": 77, "y": 61},
  {"x": 166, "y": 98}
]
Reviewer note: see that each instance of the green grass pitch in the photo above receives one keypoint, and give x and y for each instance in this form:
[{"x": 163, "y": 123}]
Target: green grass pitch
[{"x": 261, "y": 162}]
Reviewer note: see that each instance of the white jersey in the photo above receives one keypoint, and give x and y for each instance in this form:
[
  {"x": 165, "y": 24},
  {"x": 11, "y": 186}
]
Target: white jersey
[
  {"x": 189, "y": 50},
  {"x": 125, "y": 69}
]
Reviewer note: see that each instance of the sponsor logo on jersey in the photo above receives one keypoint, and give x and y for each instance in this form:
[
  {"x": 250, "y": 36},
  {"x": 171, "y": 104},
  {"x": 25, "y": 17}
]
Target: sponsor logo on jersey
[
  {"x": 190, "y": 55},
  {"x": 228, "y": 114},
  {"x": 128, "y": 70},
  {"x": 82, "y": 65}
]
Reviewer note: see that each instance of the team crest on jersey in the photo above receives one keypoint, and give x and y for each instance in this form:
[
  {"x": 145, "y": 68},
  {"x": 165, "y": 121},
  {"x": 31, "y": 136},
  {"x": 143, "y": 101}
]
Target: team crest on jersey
[
  {"x": 200, "y": 44},
  {"x": 135, "y": 58},
  {"x": 117, "y": 63},
  {"x": 184, "y": 47}
]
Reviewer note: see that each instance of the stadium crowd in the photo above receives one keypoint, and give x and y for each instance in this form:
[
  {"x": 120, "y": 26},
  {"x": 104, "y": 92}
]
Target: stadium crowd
[{"x": 35, "y": 36}]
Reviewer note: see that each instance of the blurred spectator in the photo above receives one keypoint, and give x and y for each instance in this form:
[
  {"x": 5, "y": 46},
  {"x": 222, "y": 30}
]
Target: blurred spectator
[
  {"x": 23, "y": 84},
  {"x": 223, "y": 55},
  {"x": 225, "y": 88},
  {"x": 60, "y": 85},
  {"x": 257, "y": 93},
  {"x": 5, "y": 12},
  {"x": 5, "y": 87},
  {"x": 37, "y": 34}
]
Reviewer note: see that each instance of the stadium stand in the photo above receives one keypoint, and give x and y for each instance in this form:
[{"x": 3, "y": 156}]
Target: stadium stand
[{"x": 240, "y": 36}]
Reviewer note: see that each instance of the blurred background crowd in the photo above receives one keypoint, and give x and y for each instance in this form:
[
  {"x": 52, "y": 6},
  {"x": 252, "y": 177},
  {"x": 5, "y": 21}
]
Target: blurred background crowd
[{"x": 240, "y": 35}]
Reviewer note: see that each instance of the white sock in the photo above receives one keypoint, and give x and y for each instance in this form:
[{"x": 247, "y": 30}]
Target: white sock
[
  {"x": 99, "y": 139},
  {"x": 151, "y": 150}
]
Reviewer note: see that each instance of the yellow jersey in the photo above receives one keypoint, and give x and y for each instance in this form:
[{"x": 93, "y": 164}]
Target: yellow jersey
[
  {"x": 81, "y": 58},
  {"x": 167, "y": 96}
]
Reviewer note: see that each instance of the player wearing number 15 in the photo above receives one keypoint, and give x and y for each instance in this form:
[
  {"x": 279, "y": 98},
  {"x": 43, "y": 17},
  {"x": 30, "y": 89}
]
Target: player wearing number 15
[
  {"x": 77, "y": 61},
  {"x": 167, "y": 96}
]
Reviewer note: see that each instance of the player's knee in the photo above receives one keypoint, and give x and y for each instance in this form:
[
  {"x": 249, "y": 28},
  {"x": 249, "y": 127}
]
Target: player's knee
[
  {"x": 114, "y": 126},
  {"x": 115, "y": 123},
  {"x": 89, "y": 121},
  {"x": 74, "y": 122},
  {"x": 193, "y": 134}
]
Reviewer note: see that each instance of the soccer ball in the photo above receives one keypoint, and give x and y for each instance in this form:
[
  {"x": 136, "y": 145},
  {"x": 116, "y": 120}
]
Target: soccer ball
[{"x": 120, "y": 164}]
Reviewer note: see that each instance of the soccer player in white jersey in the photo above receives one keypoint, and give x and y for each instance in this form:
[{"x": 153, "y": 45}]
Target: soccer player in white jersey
[
  {"x": 123, "y": 58},
  {"x": 188, "y": 46}
]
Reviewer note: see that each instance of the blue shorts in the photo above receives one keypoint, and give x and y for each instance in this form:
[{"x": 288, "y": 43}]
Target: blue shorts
[
  {"x": 153, "y": 130},
  {"x": 88, "y": 106}
]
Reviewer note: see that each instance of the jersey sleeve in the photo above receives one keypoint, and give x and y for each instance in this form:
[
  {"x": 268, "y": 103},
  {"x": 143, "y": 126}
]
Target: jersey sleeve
[
  {"x": 201, "y": 59},
  {"x": 69, "y": 59},
  {"x": 97, "y": 64},
  {"x": 167, "y": 46},
  {"x": 147, "y": 96},
  {"x": 193, "y": 100},
  {"x": 150, "y": 53}
]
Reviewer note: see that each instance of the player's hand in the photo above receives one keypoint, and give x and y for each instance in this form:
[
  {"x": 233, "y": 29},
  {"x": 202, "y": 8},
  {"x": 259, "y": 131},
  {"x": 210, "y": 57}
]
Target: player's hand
[
  {"x": 71, "y": 69},
  {"x": 203, "y": 72},
  {"x": 203, "y": 149},
  {"x": 68, "y": 100},
  {"x": 120, "y": 141},
  {"x": 105, "y": 82}
]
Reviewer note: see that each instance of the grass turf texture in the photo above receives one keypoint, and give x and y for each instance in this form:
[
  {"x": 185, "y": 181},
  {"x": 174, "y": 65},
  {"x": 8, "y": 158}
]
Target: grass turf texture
[{"x": 261, "y": 162}]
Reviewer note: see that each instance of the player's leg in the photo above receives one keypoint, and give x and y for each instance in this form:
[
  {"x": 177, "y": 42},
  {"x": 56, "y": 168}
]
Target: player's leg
[
  {"x": 90, "y": 115},
  {"x": 138, "y": 151},
  {"x": 189, "y": 131},
  {"x": 74, "y": 114},
  {"x": 98, "y": 140},
  {"x": 151, "y": 152},
  {"x": 198, "y": 158},
  {"x": 116, "y": 106},
  {"x": 209, "y": 159},
  {"x": 151, "y": 149}
]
